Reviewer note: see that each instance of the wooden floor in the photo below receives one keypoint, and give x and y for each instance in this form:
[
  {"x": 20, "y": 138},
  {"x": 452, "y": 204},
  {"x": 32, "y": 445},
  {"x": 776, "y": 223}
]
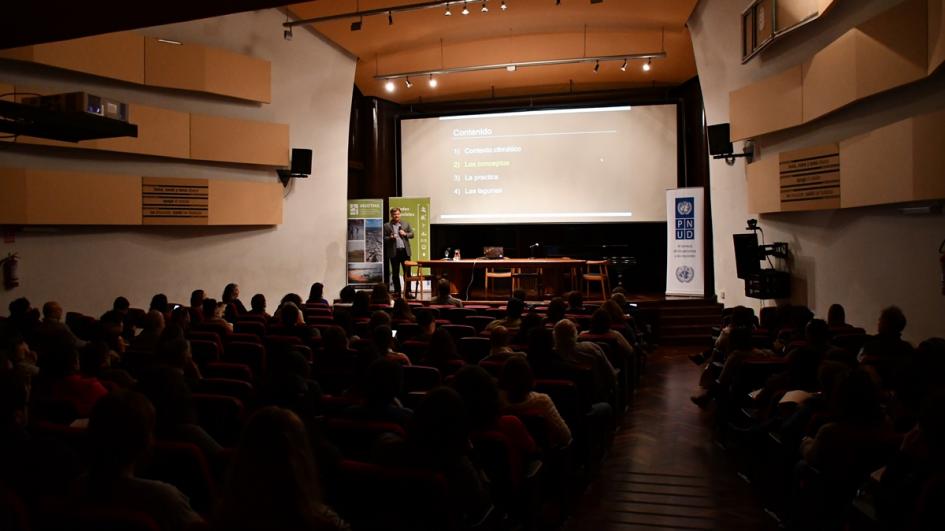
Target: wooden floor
[{"x": 664, "y": 471}]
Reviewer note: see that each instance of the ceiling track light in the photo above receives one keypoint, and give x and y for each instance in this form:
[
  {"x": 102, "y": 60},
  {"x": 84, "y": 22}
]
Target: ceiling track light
[
  {"x": 356, "y": 25},
  {"x": 647, "y": 65},
  {"x": 390, "y": 19},
  {"x": 503, "y": 7},
  {"x": 596, "y": 66},
  {"x": 448, "y": 13},
  {"x": 465, "y": 10},
  {"x": 389, "y": 86},
  {"x": 433, "y": 81},
  {"x": 287, "y": 34},
  {"x": 485, "y": 8},
  {"x": 623, "y": 67},
  {"x": 407, "y": 82},
  {"x": 389, "y": 11}
]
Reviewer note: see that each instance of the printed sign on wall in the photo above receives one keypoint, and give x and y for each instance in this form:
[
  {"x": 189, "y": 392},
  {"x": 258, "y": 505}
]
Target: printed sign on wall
[
  {"x": 365, "y": 242},
  {"x": 684, "y": 242}
]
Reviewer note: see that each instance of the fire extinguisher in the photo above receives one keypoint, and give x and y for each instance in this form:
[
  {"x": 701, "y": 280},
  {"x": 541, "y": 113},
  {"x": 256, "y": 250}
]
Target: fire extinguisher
[{"x": 10, "y": 280}]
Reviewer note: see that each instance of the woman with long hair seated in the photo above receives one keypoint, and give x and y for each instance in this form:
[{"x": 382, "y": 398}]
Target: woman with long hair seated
[{"x": 273, "y": 480}]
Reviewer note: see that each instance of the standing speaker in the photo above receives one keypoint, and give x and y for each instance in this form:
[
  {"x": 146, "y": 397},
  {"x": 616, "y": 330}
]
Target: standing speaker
[{"x": 301, "y": 162}]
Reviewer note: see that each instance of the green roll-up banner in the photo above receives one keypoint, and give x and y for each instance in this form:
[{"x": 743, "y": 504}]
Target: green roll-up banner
[
  {"x": 365, "y": 242},
  {"x": 416, "y": 211}
]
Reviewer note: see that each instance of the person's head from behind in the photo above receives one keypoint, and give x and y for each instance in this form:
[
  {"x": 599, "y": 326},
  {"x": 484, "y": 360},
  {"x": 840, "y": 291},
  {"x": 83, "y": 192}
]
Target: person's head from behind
[
  {"x": 480, "y": 395},
  {"x": 52, "y": 311},
  {"x": 291, "y": 362},
  {"x": 159, "y": 303},
  {"x": 541, "y": 344},
  {"x": 121, "y": 305},
  {"x": 334, "y": 339},
  {"x": 316, "y": 292},
  {"x": 379, "y": 318},
  {"x": 290, "y": 315},
  {"x": 381, "y": 338},
  {"x": 14, "y": 397},
  {"x": 19, "y": 308},
  {"x": 154, "y": 322},
  {"x": 425, "y": 321},
  {"x": 575, "y": 300},
  {"x": 362, "y": 302},
  {"x": 120, "y": 432},
  {"x": 60, "y": 358},
  {"x": 600, "y": 321},
  {"x": 742, "y": 317},
  {"x": 346, "y": 295},
  {"x": 294, "y": 298},
  {"x": 619, "y": 298},
  {"x": 565, "y": 334},
  {"x": 891, "y": 321},
  {"x": 514, "y": 308},
  {"x": 380, "y": 295},
  {"x": 517, "y": 379},
  {"x": 614, "y": 310},
  {"x": 836, "y": 315},
  {"x": 557, "y": 308},
  {"x": 443, "y": 289},
  {"x": 175, "y": 353},
  {"x": 180, "y": 316},
  {"x": 442, "y": 346},
  {"x": 209, "y": 309},
  {"x": 273, "y": 452},
  {"x": 402, "y": 309},
  {"x": 258, "y": 303},
  {"x": 740, "y": 338},
  {"x": 440, "y": 424},
  {"x": 93, "y": 357},
  {"x": 817, "y": 332},
  {"x": 230, "y": 293},
  {"x": 385, "y": 379},
  {"x": 196, "y": 298},
  {"x": 111, "y": 323},
  {"x": 519, "y": 294},
  {"x": 856, "y": 398},
  {"x": 499, "y": 337}
]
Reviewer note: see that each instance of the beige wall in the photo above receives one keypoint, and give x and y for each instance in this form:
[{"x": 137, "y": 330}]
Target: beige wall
[
  {"x": 864, "y": 258},
  {"x": 85, "y": 268}
]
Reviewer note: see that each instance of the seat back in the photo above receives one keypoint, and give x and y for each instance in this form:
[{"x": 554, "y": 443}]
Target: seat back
[
  {"x": 251, "y": 354},
  {"x": 238, "y": 389},
  {"x": 420, "y": 378},
  {"x": 245, "y": 326},
  {"x": 184, "y": 466},
  {"x": 474, "y": 348},
  {"x": 221, "y": 416},
  {"x": 459, "y": 331},
  {"x": 479, "y": 322},
  {"x": 356, "y": 438}
]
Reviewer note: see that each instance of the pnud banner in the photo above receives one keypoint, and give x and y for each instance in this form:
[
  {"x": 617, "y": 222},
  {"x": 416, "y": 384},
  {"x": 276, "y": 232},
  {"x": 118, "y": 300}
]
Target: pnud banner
[
  {"x": 365, "y": 242},
  {"x": 416, "y": 212},
  {"x": 685, "y": 273}
]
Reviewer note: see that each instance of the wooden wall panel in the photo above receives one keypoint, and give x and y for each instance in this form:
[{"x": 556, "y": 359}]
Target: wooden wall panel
[
  {"x": 829, "y": 78},
  {"x": 245, "y": 202},
  {"x": 237, "y": 75},
  {"x": 892, "y": 49},
  {"x": 12, "y": 196},
  {"x": 204, "y": 69},
  {"x": 113, "y": 55},
  {"x": 764, "y": 190},
  {"x": 936, "y": 34},
  {"x": 77, "y": 198},
  {"x": 929, "y": 157},
  {"x": 172, "y": 65},
  {"x": 771, "y": 104},
  {"x": 223, "y": 139},
  {"x": 877, "y": 167},
  {"x": 161, "y": 132}
]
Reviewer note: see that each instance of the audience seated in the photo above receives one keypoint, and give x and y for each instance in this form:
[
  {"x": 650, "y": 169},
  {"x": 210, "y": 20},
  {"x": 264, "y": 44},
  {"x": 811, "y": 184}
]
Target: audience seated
[
  {"x": 346, "y": 295},
  {"x": 16, "y": 354},
  {"x": 95, "y": 361},
  {"x": 60, "y": 380},
  {"x": 383, "y": 341},
  {"x": 234, "y": 306},
  {"x": 258, "y": 305},
  {"x": 384, "y": 384},
  {"x": 380, "y": 295},
  {"x": 402, "y": 312},
  {"x": 52, "y": 330},
  {"x": 513, "y": 315},
  {"x": 159, "y": 303},
  {"x": 273, "y": 481},
  {"x": 576, "y": 304},
  {"x": 147, "y": 340},
  {"x": 316, "y": 294},
  {"x": 120, "y": 434},
  {"x": 426, "y": 323},
  {"x": 601, "y": 328},
  {"x": 293, "y": 323},
  {"x": 443, "y": 295},
  {"x": 500, "y": 351},
  {"x": 213, "y": 314},
  {"x": 361, "y": 305},
  {"x": 518, "y": 397},
  {"x": 585, "y": 353},
  {"x": 442, "y": 351},
  {"x": 196, "y": 305},
  {"x": 885, "y": 352},
  {"x": 837, "y": 317},
  {"x": 23, "y": 319}
]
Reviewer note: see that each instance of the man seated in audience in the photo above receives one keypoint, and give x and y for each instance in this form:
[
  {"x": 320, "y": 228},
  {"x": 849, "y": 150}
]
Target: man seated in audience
[
  {"x": 600, "y": 327},
  {"x": 23, "y": 319},
  {"x": 557, "y": 310},
  {"x": 585, "y": 353},
  {"x": 257, "y": 305},
  {"x": 196, "y": 305},
  {"x": 884, "y": 353},
  {"x": 379, "y": 318},
  {"x": 500, "y": 350},
  {"x": 443, "y": 296},
  {"x": 213, "y": 314},
  {"x": 120, "y": 434},
  {"x": 289, "y": 384},
  {"x": 441, "y": 351},
  {"x": 518, "y": 397},
  {"x": 147, "y": 340},
  {"x": 513, "y": 315},
  {"x": 426, "y": 323},
  {"x": 385, "y": 379},
  {"x": 803, "y": 363},
  {"x": 383, "y": 340},
  {"x": 60, "y": 379},
  {"x": 122, "y": 307},
  {"x": 739, "y": 349},
  {"x": 111, "y": 330},
  {"x": 576, "y": 304},
  {"x": 837, "y": 318},
  {"x": 52, "y": 329},
  {"x": 293, "y": 323},
  {"x": 346, "y": 296}
]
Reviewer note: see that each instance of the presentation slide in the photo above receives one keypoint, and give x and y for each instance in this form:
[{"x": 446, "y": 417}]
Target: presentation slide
[{"x": 606, "y": 164}]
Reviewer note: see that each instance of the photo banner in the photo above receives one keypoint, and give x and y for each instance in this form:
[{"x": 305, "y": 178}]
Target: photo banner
[
  {"x": 416, "y": 211},
  {"x": 365, "y": 242},
  {"x": 685, "y": 273}
]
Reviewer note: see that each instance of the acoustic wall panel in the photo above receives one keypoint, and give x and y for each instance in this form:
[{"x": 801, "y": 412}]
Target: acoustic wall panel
[
  {"x": 936, "y": 34},
  {"x": 41, "y": 197},
  {"x": 113, "y": 55},
  {"x": 771, "y": 104},
  {"x": 245, "y": 203},
  {"x": 764, "y": 190},
  {"x": 223, "y": 139}
]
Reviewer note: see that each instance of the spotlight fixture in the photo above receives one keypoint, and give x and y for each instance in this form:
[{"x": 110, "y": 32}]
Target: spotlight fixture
[
  {"x": 485, "y": 8},
  {"x": 407, "y": 82},
  {"x": 465, "y": 10},
  {"x": 647, "y": 66},
  {"x": 356, "y": 25},
  {"x": 433, "y": 81},
  {"x": 503, "y": 7},
  {"x": 623, "y": 67},
  {"x": 511, "y": 68},
  {"x": 390, "y": 19},
  {"x": 287, "y": 34},
  {"x": 596, "y": 66},
  {"x": 389, "y": 86},
  {"x": 448, "y": 12}
]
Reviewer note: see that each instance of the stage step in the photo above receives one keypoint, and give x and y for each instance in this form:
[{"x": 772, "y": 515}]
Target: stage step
[{"x": 684, "y": 321}]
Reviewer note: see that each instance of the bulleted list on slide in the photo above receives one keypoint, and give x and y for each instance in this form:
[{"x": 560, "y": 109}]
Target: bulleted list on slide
[{"x": 479, "y": 169}]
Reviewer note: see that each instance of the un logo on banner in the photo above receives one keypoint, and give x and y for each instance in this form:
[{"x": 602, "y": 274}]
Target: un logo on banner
[
  {"x": 685, "y": 274},
  {"x": 685, "y": 218}
]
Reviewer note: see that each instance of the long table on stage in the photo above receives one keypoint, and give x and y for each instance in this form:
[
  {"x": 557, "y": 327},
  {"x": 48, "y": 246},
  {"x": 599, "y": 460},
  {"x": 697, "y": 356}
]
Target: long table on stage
[{"x": 460, "y": 272}]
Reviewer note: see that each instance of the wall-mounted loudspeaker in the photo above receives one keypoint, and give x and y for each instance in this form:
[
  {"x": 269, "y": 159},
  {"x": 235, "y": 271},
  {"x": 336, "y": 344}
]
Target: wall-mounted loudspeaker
[
  {"x": 719, "y": 143},
  {"x": 301, "y": 162}
]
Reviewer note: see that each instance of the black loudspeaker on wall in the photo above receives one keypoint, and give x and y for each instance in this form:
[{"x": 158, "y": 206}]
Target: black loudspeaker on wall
[
  {"x": 719, "y": 143},
  {"x": 301, "y": 162}
]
